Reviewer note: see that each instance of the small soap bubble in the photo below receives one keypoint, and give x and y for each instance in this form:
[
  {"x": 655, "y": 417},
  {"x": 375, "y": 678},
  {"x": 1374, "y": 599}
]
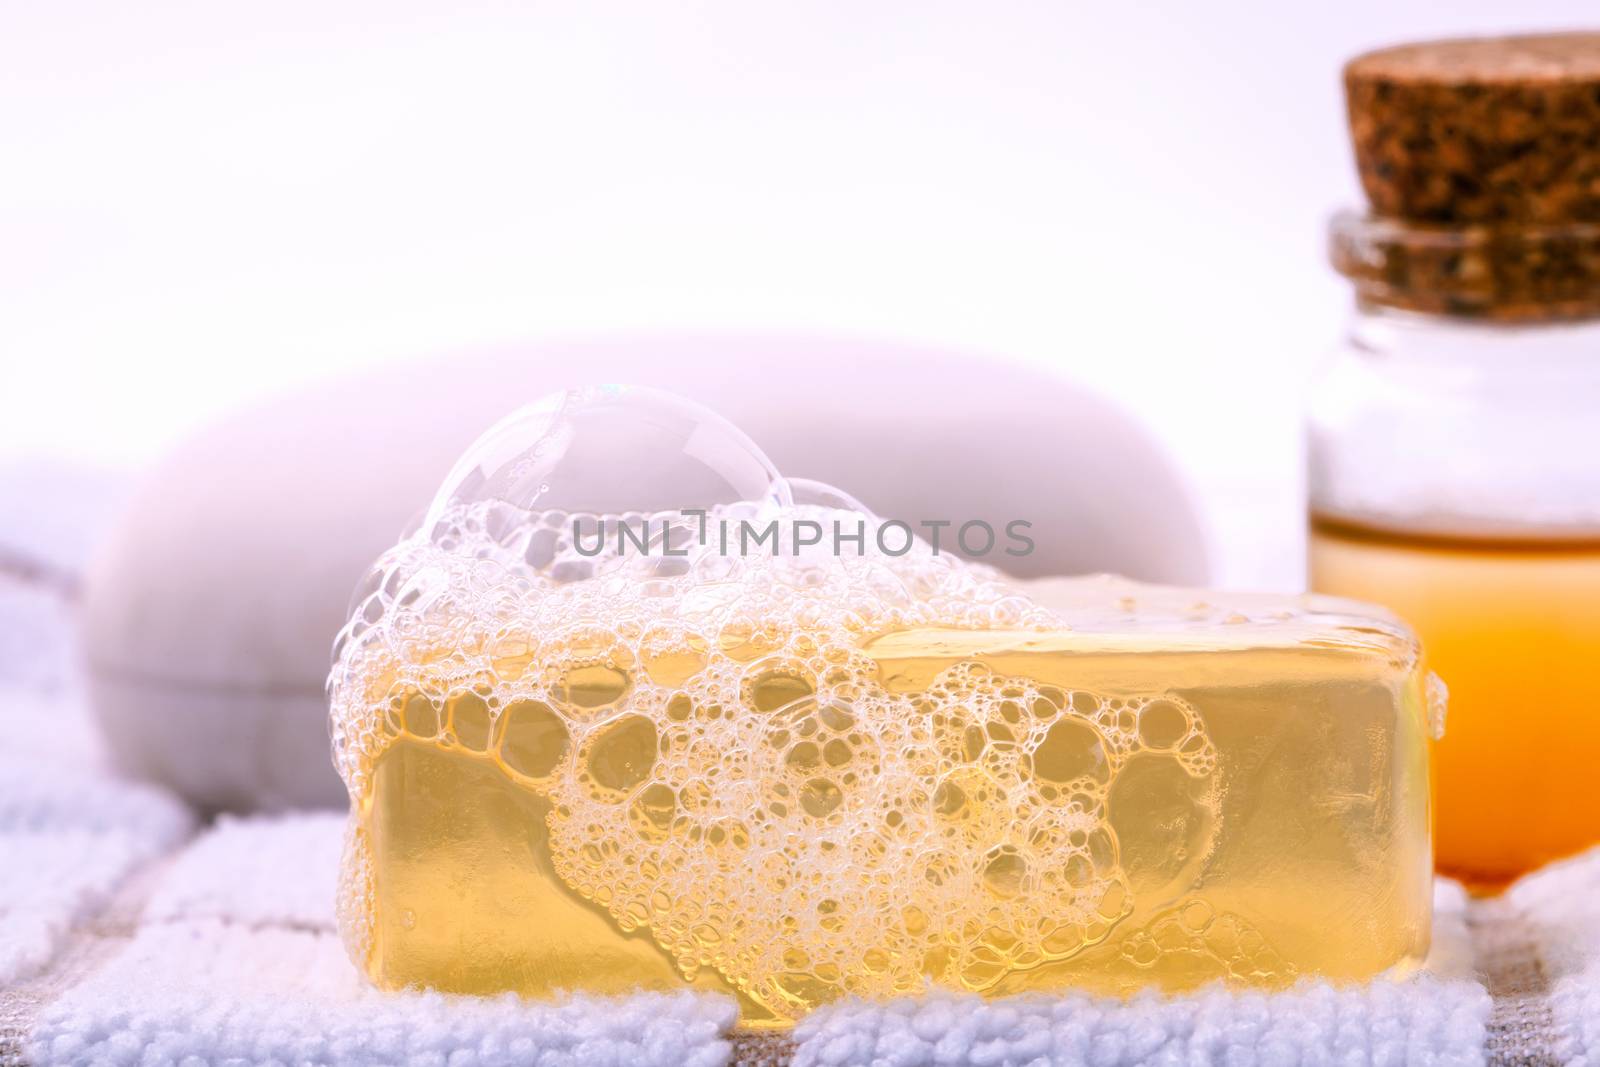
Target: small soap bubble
[{"x": 1438, "y": 698}]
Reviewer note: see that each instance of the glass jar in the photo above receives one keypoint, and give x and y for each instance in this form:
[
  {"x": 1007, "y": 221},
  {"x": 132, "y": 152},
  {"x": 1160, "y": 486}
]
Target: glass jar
[
  {"x": 1455, "y": 439},
  {"x": 1455, "y": 478}
]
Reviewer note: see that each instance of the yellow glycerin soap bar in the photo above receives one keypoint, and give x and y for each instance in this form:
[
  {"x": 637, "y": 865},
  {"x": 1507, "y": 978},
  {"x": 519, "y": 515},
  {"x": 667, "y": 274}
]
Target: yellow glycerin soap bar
[{"x": 599, "y": 747}]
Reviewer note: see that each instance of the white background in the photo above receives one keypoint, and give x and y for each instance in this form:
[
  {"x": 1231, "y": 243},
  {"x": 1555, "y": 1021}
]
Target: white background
[{"x": 203, "y": 202}]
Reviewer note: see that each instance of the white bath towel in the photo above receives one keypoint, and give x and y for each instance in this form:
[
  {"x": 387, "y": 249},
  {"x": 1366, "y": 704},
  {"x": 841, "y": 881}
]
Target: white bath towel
[
  {"x": 223, "y": 951},
  {"x": 69, "y": 836}
]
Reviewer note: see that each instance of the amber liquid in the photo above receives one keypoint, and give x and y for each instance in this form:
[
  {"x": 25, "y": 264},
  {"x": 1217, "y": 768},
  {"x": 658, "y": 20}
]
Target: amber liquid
[
  {"x": 1513, "y": 628},
  {"x": 1107, "y": 814}
]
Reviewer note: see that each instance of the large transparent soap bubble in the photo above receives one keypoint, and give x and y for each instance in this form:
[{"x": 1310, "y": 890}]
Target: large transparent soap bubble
[
  {"x": 610, "y": 451},
  {"x": 578, "y": 468}
]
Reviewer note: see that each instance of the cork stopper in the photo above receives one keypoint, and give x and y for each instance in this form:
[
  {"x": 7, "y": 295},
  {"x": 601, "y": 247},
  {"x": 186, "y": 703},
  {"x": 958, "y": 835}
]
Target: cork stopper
[
  {"x": 1483, "y": 130},
  {"x": 1481, "y": 161}
]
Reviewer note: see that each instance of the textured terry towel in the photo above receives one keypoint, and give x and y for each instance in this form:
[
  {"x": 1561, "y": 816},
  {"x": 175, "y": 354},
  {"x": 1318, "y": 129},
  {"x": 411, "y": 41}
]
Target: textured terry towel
[
  {"x": 223, "y": 951},
  {"x": 228, "y": 954}
]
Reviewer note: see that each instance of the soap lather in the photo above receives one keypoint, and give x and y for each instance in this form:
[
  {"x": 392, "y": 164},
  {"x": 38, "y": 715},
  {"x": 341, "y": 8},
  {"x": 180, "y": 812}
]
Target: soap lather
[{"x": 595, "y": 742}]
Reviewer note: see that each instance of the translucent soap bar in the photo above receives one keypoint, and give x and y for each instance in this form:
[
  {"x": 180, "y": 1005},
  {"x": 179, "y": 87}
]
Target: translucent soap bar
[{"x": 807, "y": 772}]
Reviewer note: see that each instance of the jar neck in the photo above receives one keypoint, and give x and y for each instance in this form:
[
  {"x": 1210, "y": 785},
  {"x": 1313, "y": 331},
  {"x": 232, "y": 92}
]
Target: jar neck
[{"x": 1514, "y": 272}]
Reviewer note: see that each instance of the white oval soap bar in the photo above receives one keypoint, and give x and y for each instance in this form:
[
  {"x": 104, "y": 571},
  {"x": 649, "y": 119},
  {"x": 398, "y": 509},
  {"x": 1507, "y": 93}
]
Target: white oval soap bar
[{"x": 208, "y": 612}]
